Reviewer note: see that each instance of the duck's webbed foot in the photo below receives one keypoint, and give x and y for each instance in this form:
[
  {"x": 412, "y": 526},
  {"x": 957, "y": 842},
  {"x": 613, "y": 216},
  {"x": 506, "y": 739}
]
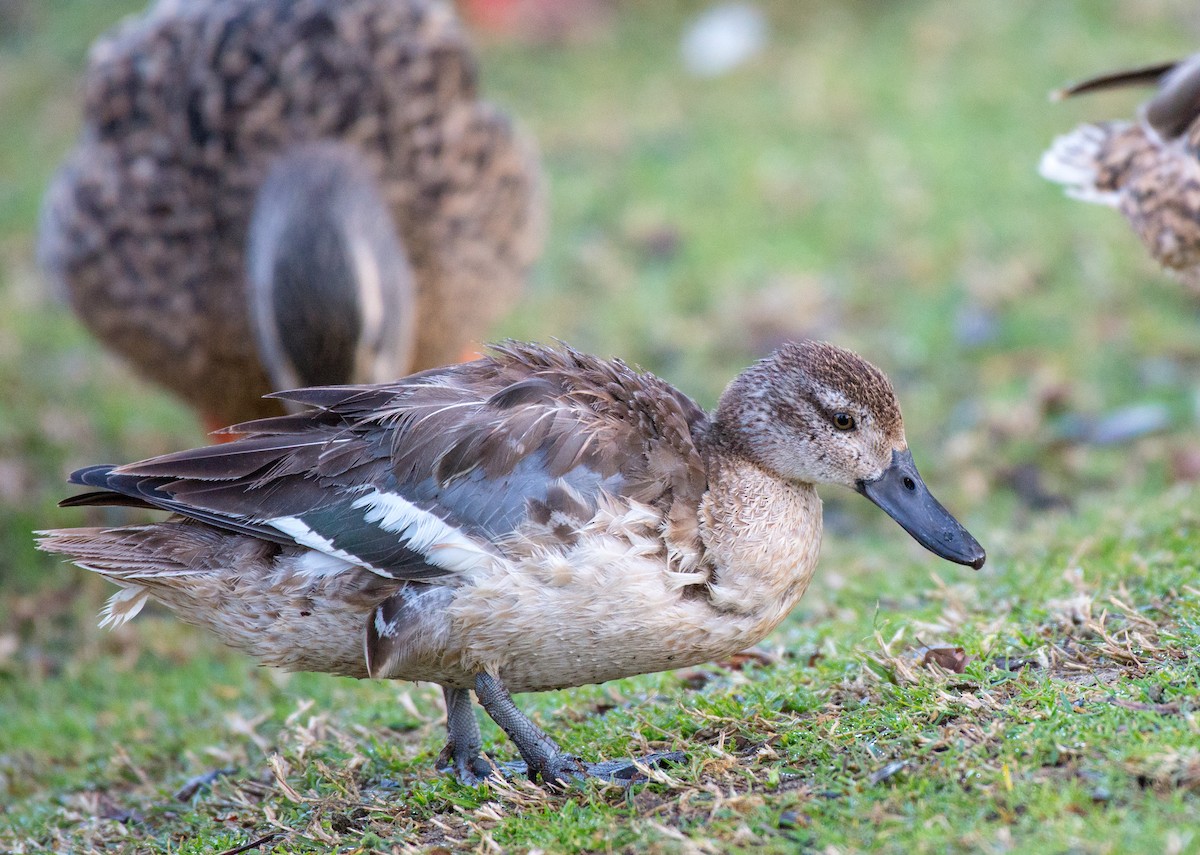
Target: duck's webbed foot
[
  {"x": 543, "y": 758},
  {"x": 626, "y": 771},
  {"x": 623, "y": 771},
  {"x": 461, "y": 755}
]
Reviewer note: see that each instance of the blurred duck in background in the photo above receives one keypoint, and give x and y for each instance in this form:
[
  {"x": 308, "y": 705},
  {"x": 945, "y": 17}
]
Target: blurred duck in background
[
  {"x": 1148, "y": 169},
  {"x": 279, "y": 193}
]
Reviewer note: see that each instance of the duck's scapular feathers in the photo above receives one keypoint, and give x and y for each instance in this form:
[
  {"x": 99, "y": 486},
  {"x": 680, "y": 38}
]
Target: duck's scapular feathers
[
  {"x": 539, "y": 517},
  {"x": 1148, "y": 169},
  {"x": 188, "y": 227}
]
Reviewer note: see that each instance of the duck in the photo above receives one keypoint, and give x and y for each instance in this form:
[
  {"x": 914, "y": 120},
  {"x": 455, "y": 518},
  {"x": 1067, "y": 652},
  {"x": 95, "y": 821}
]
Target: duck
[
  {"x": 1148, "y": 168},
  {"x": 269, "y": 194},
  {"x": 536, "y": 519}
]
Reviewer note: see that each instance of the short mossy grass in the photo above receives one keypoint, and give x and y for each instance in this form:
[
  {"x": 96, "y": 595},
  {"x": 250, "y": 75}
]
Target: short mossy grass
[{"x": 869, "y": 178}]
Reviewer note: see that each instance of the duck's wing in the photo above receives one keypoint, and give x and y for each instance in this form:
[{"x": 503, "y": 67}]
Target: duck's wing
[
  {"x": 424, "y": 477},
  {"x": 1173, "y": 108},
  {"x": 1145, "y": 75}
]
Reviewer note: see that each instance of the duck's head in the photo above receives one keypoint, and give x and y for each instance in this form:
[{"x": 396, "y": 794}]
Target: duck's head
[
  {"x": 817, "y": 414},
  {"x": 330, "y": 286},
  {"x": 1176, "y": 106}
]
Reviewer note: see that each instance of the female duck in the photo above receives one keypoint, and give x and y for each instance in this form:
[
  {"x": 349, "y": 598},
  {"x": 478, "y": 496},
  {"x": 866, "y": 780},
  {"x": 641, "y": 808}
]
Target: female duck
[
  {"x": 271, "y": 194},
  {"x": 533, "y": 520},
  {"x": 1149, "y": 170}
]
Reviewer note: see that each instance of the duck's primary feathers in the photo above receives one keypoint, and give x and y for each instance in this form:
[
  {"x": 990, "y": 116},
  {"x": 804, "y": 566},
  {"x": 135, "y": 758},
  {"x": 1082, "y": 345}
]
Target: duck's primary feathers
[
  {"x": 271, "y": 193},
  {"x": 535, "y": 519},
  {"x": 1149, "y": 169}
]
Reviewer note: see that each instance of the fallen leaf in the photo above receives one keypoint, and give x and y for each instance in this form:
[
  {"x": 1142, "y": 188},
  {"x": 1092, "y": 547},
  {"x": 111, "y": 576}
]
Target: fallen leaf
[{"x": 951, "y": 658}]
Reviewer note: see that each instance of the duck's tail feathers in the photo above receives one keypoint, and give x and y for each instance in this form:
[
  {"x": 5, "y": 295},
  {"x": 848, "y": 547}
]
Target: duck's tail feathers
[
  {"x": 132, "y": 557},
  {"x": 1074, "y": 160}
]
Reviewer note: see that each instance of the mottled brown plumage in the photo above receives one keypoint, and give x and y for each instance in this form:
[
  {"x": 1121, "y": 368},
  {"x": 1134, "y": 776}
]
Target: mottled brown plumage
[
  {"x": 1148, "y": 169},
  {"x": 536, "y": 519},
  {"x": 190, "y": 107}
]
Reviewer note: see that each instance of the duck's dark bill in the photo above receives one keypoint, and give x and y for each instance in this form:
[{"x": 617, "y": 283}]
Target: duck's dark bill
[{"x": 905, "y": 498}]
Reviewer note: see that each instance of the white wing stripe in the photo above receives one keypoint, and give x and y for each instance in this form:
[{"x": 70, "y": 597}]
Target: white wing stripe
[
  {"x": 442, "y": 545},
  {"x": 298, "y": 530}
]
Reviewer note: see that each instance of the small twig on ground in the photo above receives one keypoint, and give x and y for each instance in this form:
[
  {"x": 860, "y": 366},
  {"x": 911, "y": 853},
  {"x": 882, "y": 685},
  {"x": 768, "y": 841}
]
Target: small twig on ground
[
  {"x": 253, "y": 844},
  {"x": 193, "y": 785},
  {"x": 1173, "y": 708}
]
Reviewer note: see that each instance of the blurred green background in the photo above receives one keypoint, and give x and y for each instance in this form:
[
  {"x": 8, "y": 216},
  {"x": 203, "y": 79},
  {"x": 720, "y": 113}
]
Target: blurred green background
[{"x": 868, "y": 178}]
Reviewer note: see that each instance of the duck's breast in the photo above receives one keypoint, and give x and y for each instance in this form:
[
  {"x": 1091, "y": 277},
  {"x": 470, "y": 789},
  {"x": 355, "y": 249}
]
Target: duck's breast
[{"x": 615, "y": 601}]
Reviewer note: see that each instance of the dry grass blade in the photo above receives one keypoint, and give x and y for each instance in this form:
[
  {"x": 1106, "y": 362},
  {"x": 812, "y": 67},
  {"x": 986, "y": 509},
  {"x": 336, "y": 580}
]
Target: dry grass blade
[{"x": 279, "y": 770}]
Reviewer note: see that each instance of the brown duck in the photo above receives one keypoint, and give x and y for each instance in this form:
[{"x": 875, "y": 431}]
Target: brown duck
[
  {"x": 532, "y": 520},
  {"x": 1148, "y": 169},
  {"x": 276, "y": 193}
]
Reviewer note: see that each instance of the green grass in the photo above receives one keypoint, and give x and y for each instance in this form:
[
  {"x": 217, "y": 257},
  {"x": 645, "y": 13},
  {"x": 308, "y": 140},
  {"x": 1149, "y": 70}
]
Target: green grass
[{"x": 868, "y": 179}]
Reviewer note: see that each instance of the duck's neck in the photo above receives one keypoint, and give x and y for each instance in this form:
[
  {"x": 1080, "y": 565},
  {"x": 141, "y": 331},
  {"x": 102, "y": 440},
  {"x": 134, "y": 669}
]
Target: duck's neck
[{"x": 762, "y": 536}]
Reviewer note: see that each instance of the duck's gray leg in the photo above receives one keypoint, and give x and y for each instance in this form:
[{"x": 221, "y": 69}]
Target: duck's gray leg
[
  {"x": 543, "y": 758},
  {"x": 542, "y": 755},
  {"x": 461, "y": 754}
]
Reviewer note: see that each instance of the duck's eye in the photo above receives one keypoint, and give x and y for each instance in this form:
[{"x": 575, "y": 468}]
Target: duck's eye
[{"x": 843, "y": 421}]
